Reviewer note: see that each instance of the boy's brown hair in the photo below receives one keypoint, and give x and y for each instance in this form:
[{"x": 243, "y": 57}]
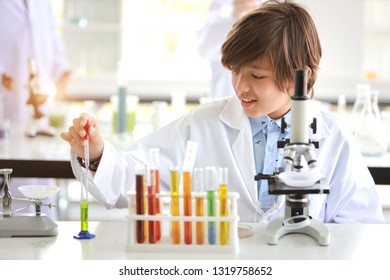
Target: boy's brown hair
[{"x": 284, "y": 32}]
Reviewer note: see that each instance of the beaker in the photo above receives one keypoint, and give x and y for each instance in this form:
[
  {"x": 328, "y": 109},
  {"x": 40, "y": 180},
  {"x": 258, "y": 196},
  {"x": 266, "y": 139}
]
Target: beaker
[{"x": 370, "y": 132}]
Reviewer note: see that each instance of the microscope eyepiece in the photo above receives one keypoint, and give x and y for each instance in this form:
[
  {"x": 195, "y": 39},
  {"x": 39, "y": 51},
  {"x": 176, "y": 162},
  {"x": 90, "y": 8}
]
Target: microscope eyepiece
[{"x": 300, "y": 84}]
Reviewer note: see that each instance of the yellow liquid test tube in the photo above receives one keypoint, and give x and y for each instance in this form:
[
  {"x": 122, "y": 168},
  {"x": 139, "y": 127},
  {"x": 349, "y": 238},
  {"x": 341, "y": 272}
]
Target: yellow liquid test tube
[
  {"x": 199, "y": 203},
  {"x": 187, "y": 206},
  {"x": 175, "y": 208},
  {"x": 223, "y": 205}
]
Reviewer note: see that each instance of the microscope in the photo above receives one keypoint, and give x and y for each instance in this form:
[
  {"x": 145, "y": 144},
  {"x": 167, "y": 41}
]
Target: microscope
[
  {"x": 13, "y": 224},
  {"x": 38, "y": 123},
  {"x": 301, "y": 176}
]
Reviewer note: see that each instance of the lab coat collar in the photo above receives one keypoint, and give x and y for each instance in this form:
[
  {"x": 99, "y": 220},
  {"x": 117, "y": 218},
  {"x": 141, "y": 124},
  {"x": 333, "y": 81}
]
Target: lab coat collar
[
  {"x": 232, "y": 114},
  {"x": 242, "y": 148}
]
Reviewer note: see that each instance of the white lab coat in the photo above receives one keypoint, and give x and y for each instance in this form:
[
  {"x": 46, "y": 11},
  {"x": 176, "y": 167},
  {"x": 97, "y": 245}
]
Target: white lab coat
[
  {"x": 224, "y": 138},
  {"x": 27, "y": 33}
]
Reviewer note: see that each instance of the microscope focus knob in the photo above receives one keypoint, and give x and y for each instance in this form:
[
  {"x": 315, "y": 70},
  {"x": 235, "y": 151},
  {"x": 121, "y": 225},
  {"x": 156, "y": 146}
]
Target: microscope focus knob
[{"x": 313, "y": 125}]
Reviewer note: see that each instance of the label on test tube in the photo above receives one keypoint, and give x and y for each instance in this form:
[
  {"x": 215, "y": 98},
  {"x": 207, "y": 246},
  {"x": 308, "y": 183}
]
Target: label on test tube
[
  {"x": 223, "y": 205},
  {"x": 139, "y": 202},
  {"x": 211, "y": 186},
  {"x": 175, "y": 210}
]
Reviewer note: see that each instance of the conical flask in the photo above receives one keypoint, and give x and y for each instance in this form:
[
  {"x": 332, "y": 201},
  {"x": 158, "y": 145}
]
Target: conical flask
[{"x": 369, "y": 132}]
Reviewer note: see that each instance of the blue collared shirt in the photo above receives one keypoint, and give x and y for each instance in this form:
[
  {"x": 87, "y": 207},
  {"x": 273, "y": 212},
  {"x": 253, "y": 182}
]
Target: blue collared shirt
[{"x": 266, "y": 133}]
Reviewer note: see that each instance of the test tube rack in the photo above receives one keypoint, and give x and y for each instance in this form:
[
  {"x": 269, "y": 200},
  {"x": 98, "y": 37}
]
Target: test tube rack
[{"x": 165, "y": 243}]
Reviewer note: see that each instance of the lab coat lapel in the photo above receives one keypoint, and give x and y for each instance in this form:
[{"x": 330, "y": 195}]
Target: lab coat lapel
[{"x": 242, "y": 148}]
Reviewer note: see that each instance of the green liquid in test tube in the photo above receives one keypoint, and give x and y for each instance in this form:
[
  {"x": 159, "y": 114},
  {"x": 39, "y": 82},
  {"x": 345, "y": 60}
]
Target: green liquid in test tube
[
  {"x": 211, "y": 186},
  {"x": 84, "y": 233}
]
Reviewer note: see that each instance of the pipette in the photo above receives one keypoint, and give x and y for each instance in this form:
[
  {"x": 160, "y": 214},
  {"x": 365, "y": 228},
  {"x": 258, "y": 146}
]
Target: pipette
[{"x": 84, "y": 233}]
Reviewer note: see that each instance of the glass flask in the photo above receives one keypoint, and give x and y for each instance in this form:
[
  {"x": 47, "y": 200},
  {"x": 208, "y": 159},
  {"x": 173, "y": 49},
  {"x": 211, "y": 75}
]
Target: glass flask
[
  {"x": 362, "y": 90},
  {"x": 370, "y": 133}
]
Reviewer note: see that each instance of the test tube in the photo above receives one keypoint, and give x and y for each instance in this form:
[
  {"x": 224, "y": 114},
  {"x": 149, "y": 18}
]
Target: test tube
[
  {"x": 175, "y": 210},
  {"x": 84, "y": 203},
  {"x": 223, "y": 205},
  {"x": 199, "y": 206},
  {"x": 151, "y": 189},
  {"x": 187, "y": 206},
  {"x": 139, "y": 201},
  {"x": 155, "y": 163},
  {"x": 211, "y": 186},
  {"x": 84, "y": 233}
]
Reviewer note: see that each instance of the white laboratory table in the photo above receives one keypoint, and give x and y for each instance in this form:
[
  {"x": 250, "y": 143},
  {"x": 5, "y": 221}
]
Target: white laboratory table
[{"x": 348, "y": 242}]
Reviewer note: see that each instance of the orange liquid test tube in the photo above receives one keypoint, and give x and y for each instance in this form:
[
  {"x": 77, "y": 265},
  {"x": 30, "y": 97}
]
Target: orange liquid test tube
[
  {"x": 155, "y": 161},
  {"x": 199, "y": 203},
  {"x": 151, "y": 186},
  {"x": 187, "y": 206},
  {"x": 175, "y": 209}
]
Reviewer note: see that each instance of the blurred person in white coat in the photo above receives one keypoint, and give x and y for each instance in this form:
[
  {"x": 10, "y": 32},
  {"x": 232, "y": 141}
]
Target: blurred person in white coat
[
  {"x": 222, "y": 15},
  {"x": 28, "y": 31},
  {"x": 262, "y": 50}
]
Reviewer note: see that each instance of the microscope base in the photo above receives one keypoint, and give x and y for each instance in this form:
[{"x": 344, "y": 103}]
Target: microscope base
[
  {"x": 40, "y": 127},
  {"x": 27, "y": 225},
  {"x": 314, "y": 228}
]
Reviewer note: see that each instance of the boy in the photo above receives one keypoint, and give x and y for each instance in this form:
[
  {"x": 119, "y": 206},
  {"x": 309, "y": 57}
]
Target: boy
[{"x": 262, "y": 50}]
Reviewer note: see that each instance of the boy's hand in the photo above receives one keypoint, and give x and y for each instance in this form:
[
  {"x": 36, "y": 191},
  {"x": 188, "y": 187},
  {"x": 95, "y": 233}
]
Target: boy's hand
[{"x": 76, "y": 133}]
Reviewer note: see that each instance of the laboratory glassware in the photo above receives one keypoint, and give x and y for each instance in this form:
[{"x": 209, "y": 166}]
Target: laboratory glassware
[
  {"x": 187, "y": 201},
  {"x": 211, "y": 186},
  {"x": 139, "y": 201},
  {"x": 199, "y": 203},
  {"x": 371, "y": 135},
  {"x": 155, "y": 168},
  {"x": 84, "y": 233},
  {"x": 223, "y": 204},
  {"x": 151, "y": 193},
  {"x": 175, "y": 207}
]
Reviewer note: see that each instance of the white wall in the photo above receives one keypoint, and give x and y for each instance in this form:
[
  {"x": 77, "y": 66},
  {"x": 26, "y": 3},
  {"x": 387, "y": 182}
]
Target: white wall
[{"x": 341, "y": 30}]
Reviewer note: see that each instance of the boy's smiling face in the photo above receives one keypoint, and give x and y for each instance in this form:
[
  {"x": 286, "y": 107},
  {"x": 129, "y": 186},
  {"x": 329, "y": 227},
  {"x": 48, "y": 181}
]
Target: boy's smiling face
[{"x": 257, "y": 91}]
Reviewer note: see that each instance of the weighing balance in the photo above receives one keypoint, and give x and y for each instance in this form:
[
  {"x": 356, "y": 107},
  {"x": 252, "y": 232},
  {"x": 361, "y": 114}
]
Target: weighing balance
[
  {"x": 302, "y": 177},
  {"x": 13, "y": 224}
]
